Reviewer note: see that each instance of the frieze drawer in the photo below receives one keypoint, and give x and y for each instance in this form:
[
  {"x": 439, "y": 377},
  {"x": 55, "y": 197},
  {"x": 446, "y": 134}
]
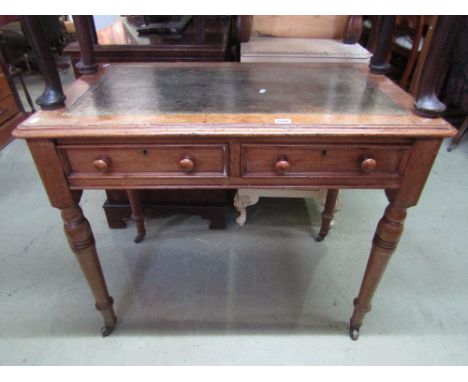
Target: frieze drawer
[
  {"x": 165, "y": 160},
  {"x": 276, "y": 160}
]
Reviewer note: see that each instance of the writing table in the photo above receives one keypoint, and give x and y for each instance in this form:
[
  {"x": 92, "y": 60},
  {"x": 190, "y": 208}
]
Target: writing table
[{"x": 232, "y": 125}]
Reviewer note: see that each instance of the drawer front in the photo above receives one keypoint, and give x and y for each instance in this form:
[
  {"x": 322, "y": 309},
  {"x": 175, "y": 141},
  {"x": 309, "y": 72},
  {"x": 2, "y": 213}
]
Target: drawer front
[
  {"x": 7, "y": 108},
  {"x": 262, "y": 160},
  {"x": 209, "y": 160}
]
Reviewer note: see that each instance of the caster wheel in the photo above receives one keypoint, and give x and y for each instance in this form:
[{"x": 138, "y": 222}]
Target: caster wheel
[
  {"x": 320, "y": 237},
  {"x": 106, "y": 330},
  {"x": 139, "y": 238},
  {"x": 450, "y": 148},
  {"x": 354, "y": 333}
]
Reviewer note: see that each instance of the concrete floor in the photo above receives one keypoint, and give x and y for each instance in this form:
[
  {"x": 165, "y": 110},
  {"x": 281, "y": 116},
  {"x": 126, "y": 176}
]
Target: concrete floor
[{"x": 263, "y": 294}]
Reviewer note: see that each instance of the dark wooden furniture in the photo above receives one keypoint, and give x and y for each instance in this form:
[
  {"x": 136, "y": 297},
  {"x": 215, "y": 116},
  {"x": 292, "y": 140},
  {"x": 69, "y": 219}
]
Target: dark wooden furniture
[
  {"x": 380, "y": 59},
  {"x": 15, "y": 44},
  {"x": 11, "y": 109},
  {"x": 207, "y": 126},
  {"x": 211, "y": 205},
  {"x": 427, "y": 103},
  {"x": 427, "y": 81},
  {"x": 456, "y": 90},
  {"x": 205, "y": 39},
  {"x": 53, "y": 96},
  {"x": 409, "y": 37}
]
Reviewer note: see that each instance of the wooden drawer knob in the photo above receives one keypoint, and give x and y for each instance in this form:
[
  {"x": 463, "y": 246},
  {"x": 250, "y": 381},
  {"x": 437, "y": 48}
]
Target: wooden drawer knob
[
  {"x": 102, "y": 164},
  {"x": 187, "y": 163},
  {"x": 368, "y": 164},
  {"x": 282, "y": 165}
]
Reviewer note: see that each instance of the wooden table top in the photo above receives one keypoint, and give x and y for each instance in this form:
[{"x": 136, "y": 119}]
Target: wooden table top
[{"x": 161, "y": 99}]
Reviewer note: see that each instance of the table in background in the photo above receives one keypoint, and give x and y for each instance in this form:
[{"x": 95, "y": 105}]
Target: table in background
[{"x": 121, "y": 42}]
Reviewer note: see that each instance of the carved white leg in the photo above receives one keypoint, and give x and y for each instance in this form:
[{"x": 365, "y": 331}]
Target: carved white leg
[
  {"x": 248, "y": 197},
  {"x": 242, "y": 216},
  {"x": 241, "y": 202}
]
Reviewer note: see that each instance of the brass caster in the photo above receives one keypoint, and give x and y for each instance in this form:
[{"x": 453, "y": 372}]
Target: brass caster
[
  {"x": 353, "y": 333},
  {"x": 320, "y": 237},
  {"x": 106, "y": 330},
  {"x": 139, "y": 238}
]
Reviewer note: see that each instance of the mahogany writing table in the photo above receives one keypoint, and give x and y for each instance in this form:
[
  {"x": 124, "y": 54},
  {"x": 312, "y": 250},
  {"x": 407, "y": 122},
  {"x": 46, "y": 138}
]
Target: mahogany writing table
[{"x": 231, "y": 125}]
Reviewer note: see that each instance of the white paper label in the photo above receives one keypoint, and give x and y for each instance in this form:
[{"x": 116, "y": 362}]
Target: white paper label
[{"x": 283, "y": 121}]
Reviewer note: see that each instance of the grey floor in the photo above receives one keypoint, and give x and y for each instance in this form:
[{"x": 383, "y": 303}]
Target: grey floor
[{"x": 263, "y": 294}]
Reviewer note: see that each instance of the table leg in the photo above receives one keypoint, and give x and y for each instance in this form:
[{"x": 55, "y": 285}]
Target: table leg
[
  {"x": 137, "y": 215},
  {"x": 327, "y": 214},
  {"x": 462, "y": 130},
  {"x": 81, "y": 241},
  {"x": 384, "y": 244}
]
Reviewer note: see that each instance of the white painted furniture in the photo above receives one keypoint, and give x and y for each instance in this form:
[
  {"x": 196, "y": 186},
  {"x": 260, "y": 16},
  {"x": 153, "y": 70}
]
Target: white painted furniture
[{"x": 246, "y": 197}]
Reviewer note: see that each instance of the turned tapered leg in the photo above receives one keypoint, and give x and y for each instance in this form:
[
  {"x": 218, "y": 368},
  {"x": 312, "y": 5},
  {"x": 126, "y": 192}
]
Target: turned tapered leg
[
  {"x": 385, "y": 241},
  {"x": 327, "y": 214},
  {"x": 85, "y": 35},
  {"x": 53, "y": 96},
  {"x": 81, "y": 240},
  {"x": 137, "y": 215},
  {"x": 380, "y": 61},
  {"x": 427, "y": 102}
]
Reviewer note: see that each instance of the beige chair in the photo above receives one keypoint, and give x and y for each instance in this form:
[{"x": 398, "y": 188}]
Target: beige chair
[
  {"x": 314, "y": 39},
  {"x": 327, "y": 39}
]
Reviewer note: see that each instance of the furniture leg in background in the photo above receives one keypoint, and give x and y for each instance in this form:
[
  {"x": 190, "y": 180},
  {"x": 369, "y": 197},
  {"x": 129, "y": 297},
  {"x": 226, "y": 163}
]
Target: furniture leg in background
[
  {"x": 84, "y": 33},
  {"x": 327, "y": 214},
  {"x": 53, "y": 96},
  {"x": 414, "y": 85},
  {"x": 137, "y": 215},
  {"x": 414, "y": 53},
  {"x": 380, "y": 61},
  {"x": 456, "y": 85},
  {"x": 427, "y": 104}
]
